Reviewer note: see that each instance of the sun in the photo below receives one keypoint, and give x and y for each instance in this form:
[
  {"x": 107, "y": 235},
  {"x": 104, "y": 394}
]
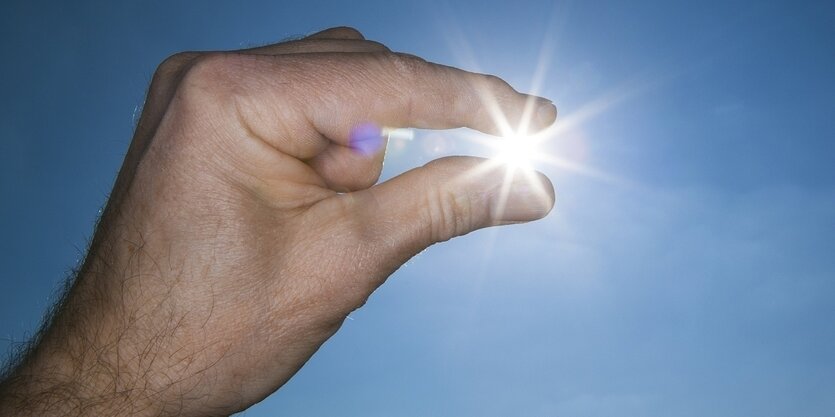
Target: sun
[
  {"x": 515, "y": 151},
  {"x": 518, "y": 145}
]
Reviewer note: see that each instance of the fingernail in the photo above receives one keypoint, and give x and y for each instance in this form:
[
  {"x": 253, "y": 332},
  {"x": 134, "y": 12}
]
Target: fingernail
[
  {"x": 529, "y": 197},
  {"x": 366, "y": 138},
  {"x": 546, "y": 113}
]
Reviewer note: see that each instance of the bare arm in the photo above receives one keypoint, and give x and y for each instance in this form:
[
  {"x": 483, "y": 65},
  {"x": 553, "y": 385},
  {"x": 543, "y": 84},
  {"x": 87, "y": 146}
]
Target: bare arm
[{"x": 245, "y": 224}]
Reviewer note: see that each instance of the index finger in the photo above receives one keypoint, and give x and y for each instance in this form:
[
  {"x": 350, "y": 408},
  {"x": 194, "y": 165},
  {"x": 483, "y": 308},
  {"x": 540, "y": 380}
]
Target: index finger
[{"x": 330, "y": 94}]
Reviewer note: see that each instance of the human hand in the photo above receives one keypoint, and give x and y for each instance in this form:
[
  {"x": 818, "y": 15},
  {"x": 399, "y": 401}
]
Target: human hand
[{"x": 245, "y": 224}]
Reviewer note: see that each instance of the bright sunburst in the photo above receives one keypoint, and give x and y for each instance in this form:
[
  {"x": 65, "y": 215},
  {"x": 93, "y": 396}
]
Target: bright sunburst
[{"x": 515, "y": 151}]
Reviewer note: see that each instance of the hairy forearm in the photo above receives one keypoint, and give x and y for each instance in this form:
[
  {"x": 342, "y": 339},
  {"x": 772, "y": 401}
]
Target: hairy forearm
[
  {"x": 64, "y": 389},
  {"x": 108, "y": 349},
  {"x": 77, "y": 366}
]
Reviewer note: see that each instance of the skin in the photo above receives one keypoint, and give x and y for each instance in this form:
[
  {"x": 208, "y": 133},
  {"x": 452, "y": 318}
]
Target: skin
[{"x": 243, "y": 228}]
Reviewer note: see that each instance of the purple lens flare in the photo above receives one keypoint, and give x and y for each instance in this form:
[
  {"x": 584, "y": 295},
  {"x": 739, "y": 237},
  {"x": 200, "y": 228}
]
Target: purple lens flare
[{"x": 366, "y": 138}]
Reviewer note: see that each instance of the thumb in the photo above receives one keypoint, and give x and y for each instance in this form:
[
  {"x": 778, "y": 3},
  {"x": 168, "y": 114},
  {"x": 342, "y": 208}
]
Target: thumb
[{"x": 446, "y": 198}]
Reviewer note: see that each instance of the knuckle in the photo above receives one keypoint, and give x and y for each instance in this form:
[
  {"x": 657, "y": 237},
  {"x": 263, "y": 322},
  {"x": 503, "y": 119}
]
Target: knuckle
[
  {"x": 409, "y": 66},
  {"x": 216, "y": 86},
  {"x": 406, "y": 72},
  {"x": 449, "y": 214},
  {"x": 493, "y": 83},
  {"x": 212, "y": 72},
  {"x": 172, "y": 65},
  {"x": 494, "y": 80},
  {"x": 347, "y": 31},
  {"x": 377, "y": 46}
]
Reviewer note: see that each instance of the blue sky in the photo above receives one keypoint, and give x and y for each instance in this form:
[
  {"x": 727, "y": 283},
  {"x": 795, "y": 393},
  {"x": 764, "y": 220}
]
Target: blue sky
[{"x": 687, "y": 269}]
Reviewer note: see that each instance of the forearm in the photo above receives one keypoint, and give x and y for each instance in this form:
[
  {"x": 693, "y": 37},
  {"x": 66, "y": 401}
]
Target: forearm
[
  {"x": 85, "y": 360},
  {"x": 109, "y": 348},
  {"x": 62, "y": 388}
]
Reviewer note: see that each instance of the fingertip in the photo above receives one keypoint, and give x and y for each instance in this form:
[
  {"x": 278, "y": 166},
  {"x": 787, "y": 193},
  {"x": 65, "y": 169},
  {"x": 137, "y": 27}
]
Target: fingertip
[
  {"x": 524, "y": 114},
  {"x": 550, "y": 194},
  {"x": 530, "y": 196},
  {"x": 546, "y": 114}
]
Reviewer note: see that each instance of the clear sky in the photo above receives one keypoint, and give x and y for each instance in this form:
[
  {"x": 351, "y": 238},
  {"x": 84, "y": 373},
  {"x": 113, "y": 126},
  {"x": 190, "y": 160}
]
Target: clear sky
[{"x": 688, "y": 268}]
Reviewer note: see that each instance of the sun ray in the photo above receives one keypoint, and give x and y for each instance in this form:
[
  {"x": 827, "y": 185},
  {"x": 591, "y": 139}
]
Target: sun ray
[
  {"x": 543, "y": 61},
  {"x": 464, "y": 55},
  {"x": 518, "y": 151}
]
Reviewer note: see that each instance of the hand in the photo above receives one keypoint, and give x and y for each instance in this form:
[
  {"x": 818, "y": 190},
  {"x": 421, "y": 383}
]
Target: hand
[{"x": 245, "y": 225}]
